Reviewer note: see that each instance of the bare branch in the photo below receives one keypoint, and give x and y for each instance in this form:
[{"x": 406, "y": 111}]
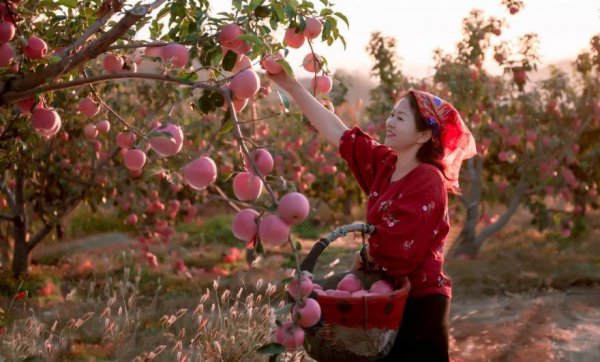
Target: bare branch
[
  {"x": 12, "y": 97},
  {"x": 93, "y": 29},
  {"x": 7, "y": 217}
]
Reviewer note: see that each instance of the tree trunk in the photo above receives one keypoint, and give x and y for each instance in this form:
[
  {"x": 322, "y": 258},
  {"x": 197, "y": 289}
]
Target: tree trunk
[
  {"x": 20, "y": 261},
  {"x": 464, "y": 243},
  {"x": 470, "y": 246}
]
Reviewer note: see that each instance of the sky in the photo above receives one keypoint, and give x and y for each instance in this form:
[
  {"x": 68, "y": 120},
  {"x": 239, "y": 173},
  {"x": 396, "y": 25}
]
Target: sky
[{"x": 564, "y": 28}]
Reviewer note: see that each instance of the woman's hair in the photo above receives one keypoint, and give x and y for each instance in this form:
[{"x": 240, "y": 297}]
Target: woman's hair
[{"x": 432, "y": 151}]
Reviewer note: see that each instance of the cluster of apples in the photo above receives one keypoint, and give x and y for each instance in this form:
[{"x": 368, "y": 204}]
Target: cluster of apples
[
  {"x": 35, "y": 48},
  {"x": 306, "y": 313},
  {"x": 351, "y": 287},
  {"x": 274, "y": 230},
  {"x": 312, "y": 63}
]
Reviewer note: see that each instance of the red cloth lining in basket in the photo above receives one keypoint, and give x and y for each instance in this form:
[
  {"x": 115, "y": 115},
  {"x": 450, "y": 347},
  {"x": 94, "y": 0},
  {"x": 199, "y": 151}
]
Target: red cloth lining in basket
[{"x": 384, "y": 312}]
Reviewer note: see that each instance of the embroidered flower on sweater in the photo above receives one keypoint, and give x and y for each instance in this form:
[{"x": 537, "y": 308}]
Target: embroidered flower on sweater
[
  {"x": 427, "y": 208},
  {"x": 440, "y": 281},
  {"x": 384, "y": 205},
  {"x": 424, "y": 278},
  {"x": 389, "y": 219},
  {"x": 408, "y": 244},
  {"x": 373, "y": 195}
]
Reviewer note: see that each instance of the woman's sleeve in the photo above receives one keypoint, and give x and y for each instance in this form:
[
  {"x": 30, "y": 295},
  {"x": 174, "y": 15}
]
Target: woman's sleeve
[
  {"x": 363, "y": 155},
  {"x": 408, "y": 226}
]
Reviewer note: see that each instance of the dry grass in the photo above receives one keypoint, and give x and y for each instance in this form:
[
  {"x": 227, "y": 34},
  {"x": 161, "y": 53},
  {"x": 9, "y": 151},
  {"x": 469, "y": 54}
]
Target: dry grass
[{"x": 117, "y": 323}]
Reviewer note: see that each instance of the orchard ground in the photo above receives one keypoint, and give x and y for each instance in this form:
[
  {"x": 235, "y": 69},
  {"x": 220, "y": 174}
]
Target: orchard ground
[{"x": 528, "y": 296}]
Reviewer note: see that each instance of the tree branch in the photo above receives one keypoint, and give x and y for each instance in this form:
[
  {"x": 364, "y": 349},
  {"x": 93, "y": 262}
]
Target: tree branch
[
  {"x": 11, "y": 90},
  {"x": 93, "y": 29},
  {"x": 7, "y": 217},
  {"x": 12, "y": 97},
  {"x": 514, "y": 203}
]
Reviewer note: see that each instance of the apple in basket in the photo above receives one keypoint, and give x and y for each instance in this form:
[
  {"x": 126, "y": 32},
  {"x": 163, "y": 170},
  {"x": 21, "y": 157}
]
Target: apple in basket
[
  {"x": 350, "y": 283},
  {"x": 361, "y": 293},
  {"x": 381, "y": 287},
  {"x": 340, "y": 294}
]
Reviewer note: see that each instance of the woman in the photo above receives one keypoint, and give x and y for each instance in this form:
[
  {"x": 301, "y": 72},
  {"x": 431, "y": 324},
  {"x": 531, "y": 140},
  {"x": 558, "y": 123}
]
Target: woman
[{"x": 407, "y": 180}]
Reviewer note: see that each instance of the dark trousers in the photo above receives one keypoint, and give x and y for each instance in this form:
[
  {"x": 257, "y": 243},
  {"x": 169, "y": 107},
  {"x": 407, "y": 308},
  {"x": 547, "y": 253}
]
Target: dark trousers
[{"x": 423, "y": 334}]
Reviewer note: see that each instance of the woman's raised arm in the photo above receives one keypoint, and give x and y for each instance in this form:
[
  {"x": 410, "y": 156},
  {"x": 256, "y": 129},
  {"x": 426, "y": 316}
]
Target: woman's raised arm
[{"x": 327, "y": 123}]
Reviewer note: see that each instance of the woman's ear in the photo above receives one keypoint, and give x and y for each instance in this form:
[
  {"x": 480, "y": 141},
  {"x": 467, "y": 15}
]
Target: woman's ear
[{"x": 424, "y": 136}]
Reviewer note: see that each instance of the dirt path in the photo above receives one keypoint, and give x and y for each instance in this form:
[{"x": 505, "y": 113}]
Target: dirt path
[{"x": 545, "y": 326}]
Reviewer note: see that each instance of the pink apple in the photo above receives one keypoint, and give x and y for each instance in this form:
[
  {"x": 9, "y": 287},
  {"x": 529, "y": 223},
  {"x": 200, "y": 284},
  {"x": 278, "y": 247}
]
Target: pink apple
[
  {"x": 381, "y": 287},
  {"x": 273, "y": 231},
  {"x": 167, "y": 146},
  {"x": 103, "y": 126},
  {"x": 310, "y": 313},
  {"x": 113, "y": 63},
  {"x": 290, "y": 336},
  {"x": 263, "y": 160},
  {"x": 312, "y": 63},
  {"x": 176, "y": 54},
  {"x": 6, "y": 54},
  {"x": 125, "y": 139},
  {"x": 350, "y": 284},
  {"x": 247, "y": 186},
  {"x": 134, "y": 160},
  {"x": 90, "y": 131},
  {"x": 293, "y": 208},
  {"x": 360, "y": 293},
  {"x": 306, "y": 287},
  {"x": 245, "y": 84},
  {"x": 293, "y": 39},
  {"x": 36, "y": 48},
  {"x": 200, "y": 172},
  {"x": 88, "y": 107},
  {"x": 269, "y": 63},
  {"x": 313, "y": 28},
  {"x": 244, "y": 224},
  {"x": 321, "y": 84}
]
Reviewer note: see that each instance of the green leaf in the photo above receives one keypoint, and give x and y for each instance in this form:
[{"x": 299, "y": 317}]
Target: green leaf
[
  {"x": 286, "y": 280},
  {"x": 286, "y": 66},
  {"x": 158, "y": 133},
  {"x": 326, "y": 12},
  {"x": 229, "y": 60},
  {"x": 298, "y": 246},
  {"x": 284, "y": 100},
  {"x": 252, "y": 39},
  {"x": 326, "y": 29},
  {"x": 259, "y": 247},
  {"x": 278, "y": 11},
  {"x": 343, "y": 17},
  {"x": 228, "y": 126},
  {"x": 271, "y": 348},
  {"x": 343, "y": 41},
  {"x": 68, "y": 3}
]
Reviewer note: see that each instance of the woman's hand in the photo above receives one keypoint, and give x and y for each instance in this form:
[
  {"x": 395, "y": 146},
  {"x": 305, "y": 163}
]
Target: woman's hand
[
  {"x": 357, "y": 262},
  {"x": 283, "y": 80}
]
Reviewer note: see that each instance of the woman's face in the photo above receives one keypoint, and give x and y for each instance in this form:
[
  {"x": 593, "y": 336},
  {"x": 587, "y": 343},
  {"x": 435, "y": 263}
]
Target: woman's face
[{"x": 401, "y": 129}]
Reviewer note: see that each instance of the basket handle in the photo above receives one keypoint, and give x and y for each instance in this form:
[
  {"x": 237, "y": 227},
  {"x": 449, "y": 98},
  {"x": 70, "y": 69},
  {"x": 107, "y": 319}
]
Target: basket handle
[{"x": 311, "y": 259}]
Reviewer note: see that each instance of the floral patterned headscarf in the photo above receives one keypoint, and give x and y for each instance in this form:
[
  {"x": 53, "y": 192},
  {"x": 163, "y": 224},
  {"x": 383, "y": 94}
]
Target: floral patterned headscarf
[{"x": 449, "y": 128}]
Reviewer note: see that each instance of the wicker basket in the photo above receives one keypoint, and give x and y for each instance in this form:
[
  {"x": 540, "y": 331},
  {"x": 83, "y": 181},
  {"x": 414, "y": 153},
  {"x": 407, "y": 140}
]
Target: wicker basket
[{"x": 356, "y": 329}]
